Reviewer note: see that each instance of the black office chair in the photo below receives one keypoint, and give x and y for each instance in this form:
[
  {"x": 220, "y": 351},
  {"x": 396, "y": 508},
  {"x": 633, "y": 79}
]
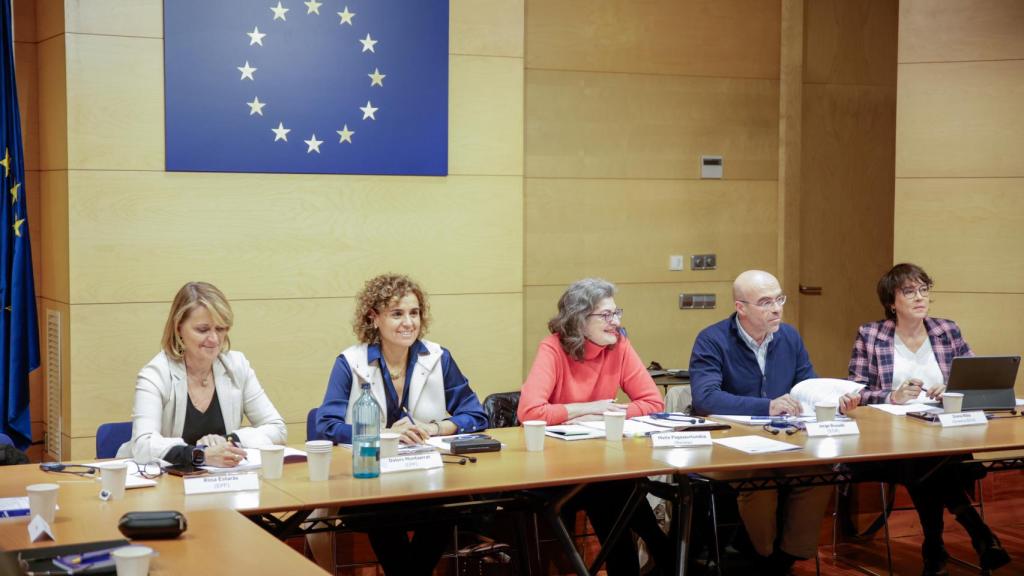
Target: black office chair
[{"x": 501, "y": 408}]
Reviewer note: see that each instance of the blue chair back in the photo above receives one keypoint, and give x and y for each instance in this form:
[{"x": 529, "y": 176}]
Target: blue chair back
[
  {"x": 311, "y": 425},
  {"x": 110, "y": 436},
  {"x": 5, "y": 439}
]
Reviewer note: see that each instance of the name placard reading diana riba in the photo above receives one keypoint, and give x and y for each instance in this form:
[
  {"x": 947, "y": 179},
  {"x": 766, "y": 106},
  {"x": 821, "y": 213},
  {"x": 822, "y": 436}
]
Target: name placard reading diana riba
[
  {"x": 972, "y": 418},
  {"x": 222, "y": 483}
]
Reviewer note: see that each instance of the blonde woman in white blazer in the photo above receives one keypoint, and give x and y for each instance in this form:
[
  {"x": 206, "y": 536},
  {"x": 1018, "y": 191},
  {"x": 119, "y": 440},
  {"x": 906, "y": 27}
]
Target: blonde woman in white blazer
[{"x": 191, "y": 397}]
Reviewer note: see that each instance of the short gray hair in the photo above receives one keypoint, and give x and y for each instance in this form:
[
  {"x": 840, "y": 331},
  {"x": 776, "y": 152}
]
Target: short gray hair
[{"x": 576, "y": 303}]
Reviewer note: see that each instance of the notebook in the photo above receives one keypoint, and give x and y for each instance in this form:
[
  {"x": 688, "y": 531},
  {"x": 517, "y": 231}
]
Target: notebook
[{"x": 985, "y": 381}]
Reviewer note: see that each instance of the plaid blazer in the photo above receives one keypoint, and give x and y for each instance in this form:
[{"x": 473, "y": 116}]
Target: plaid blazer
[{"x": 871, "y": 360}]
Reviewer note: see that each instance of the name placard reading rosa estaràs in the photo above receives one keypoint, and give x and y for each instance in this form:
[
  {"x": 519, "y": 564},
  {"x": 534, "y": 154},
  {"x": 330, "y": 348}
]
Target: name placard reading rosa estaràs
[
  {"x": 424, "y": 461},
  {"x": 680, "y": 439},
  {"x": 832, "y": 428},
  {"x": 222, "y": 483},
  {"x": 972, "y": 418}
]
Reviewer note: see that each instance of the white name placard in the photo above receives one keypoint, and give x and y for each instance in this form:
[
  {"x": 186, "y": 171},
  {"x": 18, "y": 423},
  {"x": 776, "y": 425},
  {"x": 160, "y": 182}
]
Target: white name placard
[
  {"x": 972, "y": 418},
  {"x": 222, "y": 483},
  {"x": 424, "y": 461},
  {"x": 680, "y": 439},
  {"x": 39, "y": 530},
  {"x": 832, "y": 428}
]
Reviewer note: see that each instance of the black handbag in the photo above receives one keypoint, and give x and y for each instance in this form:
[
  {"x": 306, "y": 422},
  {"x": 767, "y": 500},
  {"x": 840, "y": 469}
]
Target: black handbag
[{"x": 152, "y": 525}]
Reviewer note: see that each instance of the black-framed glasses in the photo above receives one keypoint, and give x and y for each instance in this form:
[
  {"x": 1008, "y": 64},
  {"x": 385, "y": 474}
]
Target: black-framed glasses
[
  {"x": 149, "y": 470},
  {"x": 922, "y": 290},
  {"x": 607, "y": 315},
  {"x": 766, "y": 303}
]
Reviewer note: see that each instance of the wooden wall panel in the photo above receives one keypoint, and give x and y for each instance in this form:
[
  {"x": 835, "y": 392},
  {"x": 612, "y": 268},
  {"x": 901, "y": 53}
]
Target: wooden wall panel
[
  {"x": 115, "y": 97},
  {"x": 990, "y": 322},
  {"x": 137, "y": 236},
  {"x": 590, "y": 125},
  {"x": 960, "y": 119},
  {"x": 961, "y": 30},
  {"x": 658, "y": 329},
  {"x": 851, "y": 42},
  {"x": 847, "y": 233},
  {"x": 487, "y": 27},
  {"x": 290, "y": 343},
  {"x": 625, "y": 230},
  {"x": 966, "y": 232},
  {"x": 51, "y": 229},
  {"x": 49, "y": 19},
  {"x": 26, "y": 59},
  {"x": 485, "y": 104},
  {"x": 24, "y": 12},
  {"x": 137, "y": 18},
  {"x": 52, "y": 105},
  {"x": 725, "y": 38}
]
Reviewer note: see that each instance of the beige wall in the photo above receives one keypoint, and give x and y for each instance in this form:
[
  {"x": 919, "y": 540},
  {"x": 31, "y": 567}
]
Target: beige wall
[
  {"x": 120, "y": 235},
  {"x": 959, "y": 208},
  {"x": 622, "y": 98}
]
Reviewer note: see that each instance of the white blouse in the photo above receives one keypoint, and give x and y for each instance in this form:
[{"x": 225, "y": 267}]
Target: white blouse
[{"x": 921, "y": 365}]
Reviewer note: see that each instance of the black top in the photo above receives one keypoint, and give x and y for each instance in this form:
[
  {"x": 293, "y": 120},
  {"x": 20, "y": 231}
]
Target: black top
[{"x": 199, "y": 424}]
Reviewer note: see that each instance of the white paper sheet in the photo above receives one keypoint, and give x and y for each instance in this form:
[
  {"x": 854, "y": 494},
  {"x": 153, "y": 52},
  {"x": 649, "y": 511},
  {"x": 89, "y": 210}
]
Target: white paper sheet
[
  {"x": 133, "y": 479},
  {"x": 758, "y": 420},
  {"x": 756, "y": 444},
  {"x": 900, "y": 409},
  {"x": 630, "y": 427}
]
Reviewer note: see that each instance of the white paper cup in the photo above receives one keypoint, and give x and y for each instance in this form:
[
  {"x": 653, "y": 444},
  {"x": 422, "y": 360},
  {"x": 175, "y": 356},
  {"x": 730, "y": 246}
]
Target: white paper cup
[
  {"x": 614, "y": 421},
  {"x": 319, "y": 446},
  {"x": 272, "y": 461},
  {"x": 952, "y": 401},
  {"x": 389, "y": 444},
  {"x": 825, "y": 411},
  {"x": 533, "y": 430},
  {"x": 319, "y": 465},
  {"x": 113, "y": 477},
  {"x": 42, "y": 500},
  {"x": 132, "y": 560}
]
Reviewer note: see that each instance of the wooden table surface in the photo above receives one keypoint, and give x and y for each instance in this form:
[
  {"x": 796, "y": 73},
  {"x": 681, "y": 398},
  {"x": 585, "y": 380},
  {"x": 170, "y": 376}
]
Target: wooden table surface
[{"x": 84, "y": 517}]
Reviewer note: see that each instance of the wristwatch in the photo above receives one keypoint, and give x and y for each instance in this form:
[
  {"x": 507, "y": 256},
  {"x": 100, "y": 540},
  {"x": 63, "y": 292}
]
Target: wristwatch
[{"x": 199, "y": 455}]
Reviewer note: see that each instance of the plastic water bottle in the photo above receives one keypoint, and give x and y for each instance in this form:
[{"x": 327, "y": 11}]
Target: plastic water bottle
[{"x": 366, "y": 435}]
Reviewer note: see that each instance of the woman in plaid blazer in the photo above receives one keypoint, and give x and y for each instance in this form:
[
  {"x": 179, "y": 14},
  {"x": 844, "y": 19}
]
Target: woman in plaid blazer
[{"x": 915, "y": 351}]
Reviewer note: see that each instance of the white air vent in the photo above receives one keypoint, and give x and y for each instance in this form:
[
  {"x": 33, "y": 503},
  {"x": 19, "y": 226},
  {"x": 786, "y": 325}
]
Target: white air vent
[{"x": 53, "y": 371}]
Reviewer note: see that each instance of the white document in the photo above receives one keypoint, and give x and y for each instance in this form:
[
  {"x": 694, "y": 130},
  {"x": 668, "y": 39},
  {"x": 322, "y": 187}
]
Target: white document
[
  {"x": 254, "y": 460},
  {"x": 14, "y": 507},
  {"x": 756, "y": 444},
  {"x": 573, "y": 432},
  {"x": 900, "y": 409},
  {"x": 133, "y": 479},
  {"x": 630, "y": 427}
]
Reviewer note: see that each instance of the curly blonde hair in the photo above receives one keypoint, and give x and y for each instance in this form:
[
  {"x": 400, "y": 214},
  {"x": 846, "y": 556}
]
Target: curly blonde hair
[
  {"x": 191, "y": 296},
  {"x": 377, "y": 294}
]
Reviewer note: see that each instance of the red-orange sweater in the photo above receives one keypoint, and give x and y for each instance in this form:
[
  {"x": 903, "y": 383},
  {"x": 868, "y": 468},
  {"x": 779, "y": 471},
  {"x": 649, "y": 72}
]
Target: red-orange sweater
[{"x": 556, "y": 380}]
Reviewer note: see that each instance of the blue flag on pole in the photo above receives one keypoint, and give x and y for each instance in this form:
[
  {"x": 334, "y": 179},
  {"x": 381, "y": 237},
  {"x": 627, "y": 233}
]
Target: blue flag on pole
[
  {"x": 19, "y": 336},
  {"x": 328, "y": 86}
]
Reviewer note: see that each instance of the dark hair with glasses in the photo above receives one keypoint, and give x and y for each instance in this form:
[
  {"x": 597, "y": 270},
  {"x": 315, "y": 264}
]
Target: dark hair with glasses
[
  {"x": 577, "y": 302},
  {"x": 894, "y": 280}
]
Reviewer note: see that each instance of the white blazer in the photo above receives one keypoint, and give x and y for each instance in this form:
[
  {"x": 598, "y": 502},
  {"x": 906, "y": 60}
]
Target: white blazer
[
  {"x": 426, "y": 387},
  {"x": 161, "y": 391}
]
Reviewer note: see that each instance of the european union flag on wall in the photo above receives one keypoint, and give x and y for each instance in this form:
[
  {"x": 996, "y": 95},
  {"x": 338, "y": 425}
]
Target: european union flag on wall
[
  {"x": 19, "y": 332},
  {"x": 315, "y": 86}
]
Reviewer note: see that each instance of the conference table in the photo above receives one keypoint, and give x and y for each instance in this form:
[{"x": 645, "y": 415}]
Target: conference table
[{"x": 219, "y": 528}]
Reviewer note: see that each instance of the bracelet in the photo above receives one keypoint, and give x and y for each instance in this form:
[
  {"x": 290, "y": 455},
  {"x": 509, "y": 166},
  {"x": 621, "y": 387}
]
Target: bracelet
[{"x": 437, "y": 430}]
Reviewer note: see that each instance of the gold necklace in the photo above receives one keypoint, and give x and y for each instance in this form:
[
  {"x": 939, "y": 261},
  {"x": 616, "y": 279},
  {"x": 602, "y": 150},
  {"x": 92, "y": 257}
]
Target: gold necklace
[{"x": 396, "y": 375}]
